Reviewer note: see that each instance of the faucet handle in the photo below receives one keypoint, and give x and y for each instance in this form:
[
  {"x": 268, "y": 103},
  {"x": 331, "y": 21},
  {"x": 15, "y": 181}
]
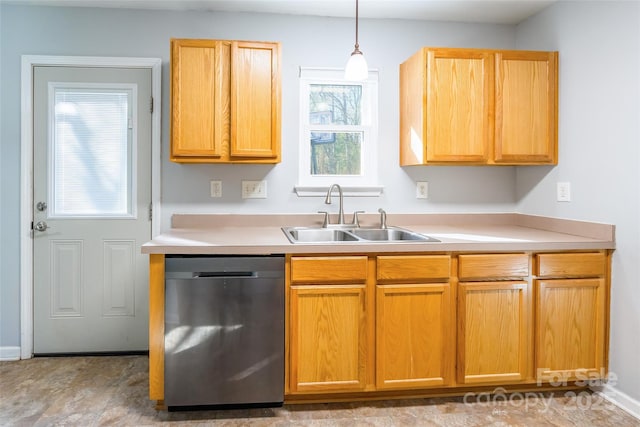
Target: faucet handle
[
  {"x": 355, "y": 220},
  {"x": 325, "y": 223}
]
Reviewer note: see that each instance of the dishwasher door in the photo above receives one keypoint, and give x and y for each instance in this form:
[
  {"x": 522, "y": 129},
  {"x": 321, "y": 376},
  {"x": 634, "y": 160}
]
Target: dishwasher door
[{"x": 224, "y": 330}]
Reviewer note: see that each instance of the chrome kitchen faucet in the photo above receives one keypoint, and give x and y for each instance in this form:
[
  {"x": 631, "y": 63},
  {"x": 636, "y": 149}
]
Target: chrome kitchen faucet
[{"x": 340, "y": 222}]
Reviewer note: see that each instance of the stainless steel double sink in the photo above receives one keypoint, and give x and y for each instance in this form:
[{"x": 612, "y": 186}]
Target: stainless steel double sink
[{"x": 364, "y": 235}]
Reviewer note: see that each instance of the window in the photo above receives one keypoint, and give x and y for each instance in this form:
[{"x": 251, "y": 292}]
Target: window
[
  {"x": 338, "y": 131},
  {"x": 91, "y": 152}
]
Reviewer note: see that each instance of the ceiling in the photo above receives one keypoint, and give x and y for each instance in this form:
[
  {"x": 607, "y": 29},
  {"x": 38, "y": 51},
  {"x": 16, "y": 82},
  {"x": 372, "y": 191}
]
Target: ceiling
[{"x": 496, "y": 11}]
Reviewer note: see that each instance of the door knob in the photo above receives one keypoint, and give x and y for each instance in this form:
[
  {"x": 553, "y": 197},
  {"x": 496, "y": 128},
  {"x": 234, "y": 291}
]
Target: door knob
[{"x": 41, "y": 226}]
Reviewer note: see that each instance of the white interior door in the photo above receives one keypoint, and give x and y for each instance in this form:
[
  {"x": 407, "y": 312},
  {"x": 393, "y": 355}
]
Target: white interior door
[{"x": 91, "y": 201}]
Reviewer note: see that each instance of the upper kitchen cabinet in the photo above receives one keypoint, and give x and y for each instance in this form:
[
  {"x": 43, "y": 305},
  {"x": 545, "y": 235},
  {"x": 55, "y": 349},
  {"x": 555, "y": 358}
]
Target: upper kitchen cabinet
[
  {"x": 225, "y": 101},
  {"x": 526, "y": 107},
  {"x": 478, "y": 107}
]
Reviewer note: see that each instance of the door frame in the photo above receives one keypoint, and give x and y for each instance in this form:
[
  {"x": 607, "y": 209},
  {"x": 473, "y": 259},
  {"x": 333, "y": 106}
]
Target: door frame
[{"x": 26, "y": 160}]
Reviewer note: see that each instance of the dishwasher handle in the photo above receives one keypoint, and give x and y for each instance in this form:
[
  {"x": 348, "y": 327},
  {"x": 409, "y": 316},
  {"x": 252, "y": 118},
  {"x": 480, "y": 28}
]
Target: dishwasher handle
[{"x": 224, "y": 274}]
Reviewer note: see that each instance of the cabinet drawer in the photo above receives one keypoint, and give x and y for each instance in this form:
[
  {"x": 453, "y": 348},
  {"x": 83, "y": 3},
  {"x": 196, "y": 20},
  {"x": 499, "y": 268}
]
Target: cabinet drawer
[
  {"x": 573, "y": 264},
  {"x": 413, "y": 267},
  {"x": 492, "y": 266},
  {"x": 348, "y": 269}
]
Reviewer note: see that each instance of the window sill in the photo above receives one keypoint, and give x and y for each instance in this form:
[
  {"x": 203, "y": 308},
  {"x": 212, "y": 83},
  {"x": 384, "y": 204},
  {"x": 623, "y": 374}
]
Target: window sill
[{"x": 355, "y": 191}]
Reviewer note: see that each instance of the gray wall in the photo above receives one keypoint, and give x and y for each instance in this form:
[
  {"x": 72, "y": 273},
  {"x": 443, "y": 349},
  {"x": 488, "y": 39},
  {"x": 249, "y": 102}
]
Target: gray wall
[
  {"x": 599, "y": 111},
  {"x": 599, "y": 135},
  {"x": 306, "y": 41}
]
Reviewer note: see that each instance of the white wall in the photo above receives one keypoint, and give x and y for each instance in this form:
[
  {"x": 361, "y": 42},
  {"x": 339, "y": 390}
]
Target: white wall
[{"x": 599, "y": 148}]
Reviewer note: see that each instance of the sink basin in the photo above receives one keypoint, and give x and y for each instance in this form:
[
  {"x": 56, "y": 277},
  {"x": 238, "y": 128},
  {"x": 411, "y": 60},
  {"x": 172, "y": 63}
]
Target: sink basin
[
  {"x": 389, "y": 234},
  {"x": 318, "y": 235},
  {"x": 354, "y": 235}
]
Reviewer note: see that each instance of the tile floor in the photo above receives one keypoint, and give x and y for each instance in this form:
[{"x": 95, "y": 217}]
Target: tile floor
[{"x": 112, "y": 391}]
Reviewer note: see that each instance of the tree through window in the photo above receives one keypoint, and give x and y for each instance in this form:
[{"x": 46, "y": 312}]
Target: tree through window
[
  {"x": 335, "y": 153},
  {"x": 338, "y": 118}
]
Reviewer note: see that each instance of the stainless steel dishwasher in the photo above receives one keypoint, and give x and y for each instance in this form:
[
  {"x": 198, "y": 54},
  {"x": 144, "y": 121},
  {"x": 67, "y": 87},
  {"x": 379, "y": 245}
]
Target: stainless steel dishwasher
[{"x": 224, "y": 330}]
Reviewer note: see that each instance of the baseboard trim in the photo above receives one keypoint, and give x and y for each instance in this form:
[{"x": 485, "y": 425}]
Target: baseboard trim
[
  {"x": 95, "y": 354},
  {"x": 9, "y": 353},
  {"x": 620, "y": 399}
]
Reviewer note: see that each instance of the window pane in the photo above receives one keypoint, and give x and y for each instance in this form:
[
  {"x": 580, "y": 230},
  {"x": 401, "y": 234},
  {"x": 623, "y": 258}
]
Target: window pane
[
  {"x": 335, "y": 104},
  {"x": 336, "y": 153},
  {"x": 91, "y": 153}
]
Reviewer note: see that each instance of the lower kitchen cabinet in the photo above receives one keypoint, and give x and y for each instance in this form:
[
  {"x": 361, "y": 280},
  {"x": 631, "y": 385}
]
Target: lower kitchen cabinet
[
  {"x": 571, "y": 316},
  {"x": 328, "y": 324},
  {"x": 494, "y": 327},
  {"x": 414, "y": 331},
  {"x": 494, "y": 319},
  {"x": 397, "y": 324},
  {"x": 414, "y": 326}
]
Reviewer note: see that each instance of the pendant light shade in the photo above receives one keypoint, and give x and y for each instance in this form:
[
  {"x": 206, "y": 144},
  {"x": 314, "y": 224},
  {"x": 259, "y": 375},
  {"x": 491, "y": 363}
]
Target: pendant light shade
[{"x": 357, "y": 66}]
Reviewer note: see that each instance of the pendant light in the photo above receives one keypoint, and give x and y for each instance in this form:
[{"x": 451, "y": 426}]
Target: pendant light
[{"x": 357, "y": 66}]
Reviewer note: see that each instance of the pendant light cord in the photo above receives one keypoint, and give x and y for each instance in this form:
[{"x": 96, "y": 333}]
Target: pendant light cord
[
  {"x": 357, "y": 46},
  {"x": 356, "y": 68}
]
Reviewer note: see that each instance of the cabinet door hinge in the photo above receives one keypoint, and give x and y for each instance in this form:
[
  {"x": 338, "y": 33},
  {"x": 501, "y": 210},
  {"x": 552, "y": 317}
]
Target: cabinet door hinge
[
  {"x": 150, "y": 211},
  {"x": 151, "y": 105}
]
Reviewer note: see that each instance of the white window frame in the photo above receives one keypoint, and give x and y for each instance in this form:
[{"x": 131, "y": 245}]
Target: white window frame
[{"x": 365, "y": 184}]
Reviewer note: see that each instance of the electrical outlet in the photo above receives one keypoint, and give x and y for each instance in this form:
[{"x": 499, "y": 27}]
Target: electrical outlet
[
  {"x": 422, "y": 190},
  {"x": 254, "y": 189},
  {"x": 563, "y": 190},
  {"x": 216, "y": 188}
]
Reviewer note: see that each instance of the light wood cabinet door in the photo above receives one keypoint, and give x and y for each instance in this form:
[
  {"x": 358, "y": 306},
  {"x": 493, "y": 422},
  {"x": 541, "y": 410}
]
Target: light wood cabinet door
[
  {"x": 526, "y": 107},
  {"x": 255, "y": 100},
  {"x": 435, "y": 126},
  {"x": 225, "y": 101},
  {"x": 458, "y": 131},
  {"x": 328, "y": 343},
  {"x": 199, "y": 98},
  {"x": 414, "y": 336},
  {"x": 494, "y": 330},
  {"x": 571, "y": 324}
]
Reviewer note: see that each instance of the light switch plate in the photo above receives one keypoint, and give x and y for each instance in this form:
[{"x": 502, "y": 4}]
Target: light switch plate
[
  {"x": 254, "y": 189},
  {"x": 216, "y": 188},
  {"x": 563, "y": 190},
  {"x": 422, "y": 190}
]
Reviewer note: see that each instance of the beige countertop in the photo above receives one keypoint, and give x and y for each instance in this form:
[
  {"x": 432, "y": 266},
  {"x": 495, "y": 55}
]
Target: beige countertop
[{"x": 262, "y": 234}]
